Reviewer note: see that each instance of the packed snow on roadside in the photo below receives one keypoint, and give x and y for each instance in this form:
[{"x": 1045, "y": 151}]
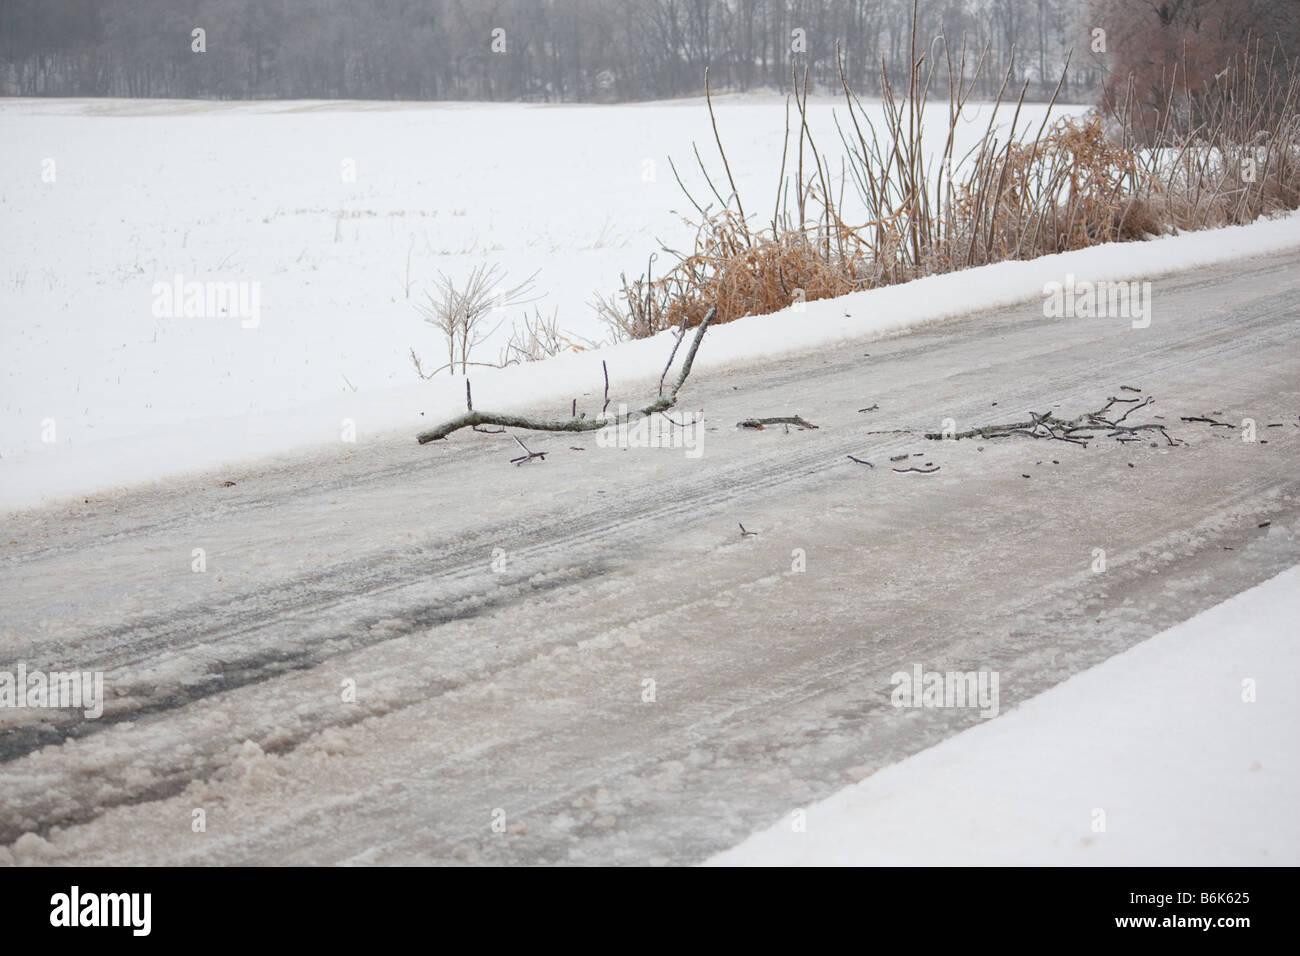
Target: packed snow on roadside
[
  {"x": 102, "y": 201},
  {"x": 1157, "y": 757}
]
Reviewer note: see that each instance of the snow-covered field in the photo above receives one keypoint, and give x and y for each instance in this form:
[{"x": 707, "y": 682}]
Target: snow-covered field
[
  {"x": 1178, "y": 752},
  {"x": 103, "y": 203}
]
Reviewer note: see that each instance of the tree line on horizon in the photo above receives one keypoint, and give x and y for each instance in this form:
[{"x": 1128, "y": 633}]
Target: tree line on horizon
[{"x": 614, "y": 50}]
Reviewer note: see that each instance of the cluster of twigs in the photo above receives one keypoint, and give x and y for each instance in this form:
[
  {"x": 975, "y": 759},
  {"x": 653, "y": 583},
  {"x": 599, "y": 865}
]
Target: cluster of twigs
[{"x": 1076, "y": 431}]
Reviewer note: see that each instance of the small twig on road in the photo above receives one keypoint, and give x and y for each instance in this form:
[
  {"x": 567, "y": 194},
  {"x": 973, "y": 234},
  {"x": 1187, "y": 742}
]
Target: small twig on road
[
  {"x": 760, "y": 422},
  {"x": 693, "y": 421},
  {"x": 1144, "y": 404},
  {"x": 527, "y": 456}
]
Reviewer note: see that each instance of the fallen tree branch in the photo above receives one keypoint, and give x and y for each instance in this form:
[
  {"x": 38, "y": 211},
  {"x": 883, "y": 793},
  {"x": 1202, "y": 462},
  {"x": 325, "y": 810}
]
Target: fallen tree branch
[{"x": 472, "y": 418}]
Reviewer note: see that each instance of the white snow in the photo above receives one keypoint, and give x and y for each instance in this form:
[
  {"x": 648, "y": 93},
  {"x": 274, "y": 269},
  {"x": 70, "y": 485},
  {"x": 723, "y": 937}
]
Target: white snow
[
  {"x": 97, "y": 391},
  {"x": 1158, "y": 738}
]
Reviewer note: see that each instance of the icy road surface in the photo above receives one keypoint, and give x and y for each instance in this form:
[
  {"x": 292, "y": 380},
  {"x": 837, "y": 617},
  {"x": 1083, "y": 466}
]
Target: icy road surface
[{"x": 581, "y": 659}]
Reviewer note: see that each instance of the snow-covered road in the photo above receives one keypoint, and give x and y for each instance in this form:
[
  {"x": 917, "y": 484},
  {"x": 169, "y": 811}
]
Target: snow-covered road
[
  {"x": 410, "y": 654},
  {"x": 1180, "y": 751}
]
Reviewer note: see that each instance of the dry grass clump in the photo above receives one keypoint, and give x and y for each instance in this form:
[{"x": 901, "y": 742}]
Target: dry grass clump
[
  {"x": 741, "y": 273},
  {"x": 1068, "y": 189},
  {"x": 744, "y": 274},
  {"x": 1077, "y": 183},
  {"x": 635, "y": 312},
  {"x": 539, "y": 337}
]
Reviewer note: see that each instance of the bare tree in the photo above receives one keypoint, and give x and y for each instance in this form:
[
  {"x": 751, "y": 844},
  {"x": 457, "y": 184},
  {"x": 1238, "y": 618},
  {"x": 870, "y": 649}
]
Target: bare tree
[{"x": 459, "y": 311}]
